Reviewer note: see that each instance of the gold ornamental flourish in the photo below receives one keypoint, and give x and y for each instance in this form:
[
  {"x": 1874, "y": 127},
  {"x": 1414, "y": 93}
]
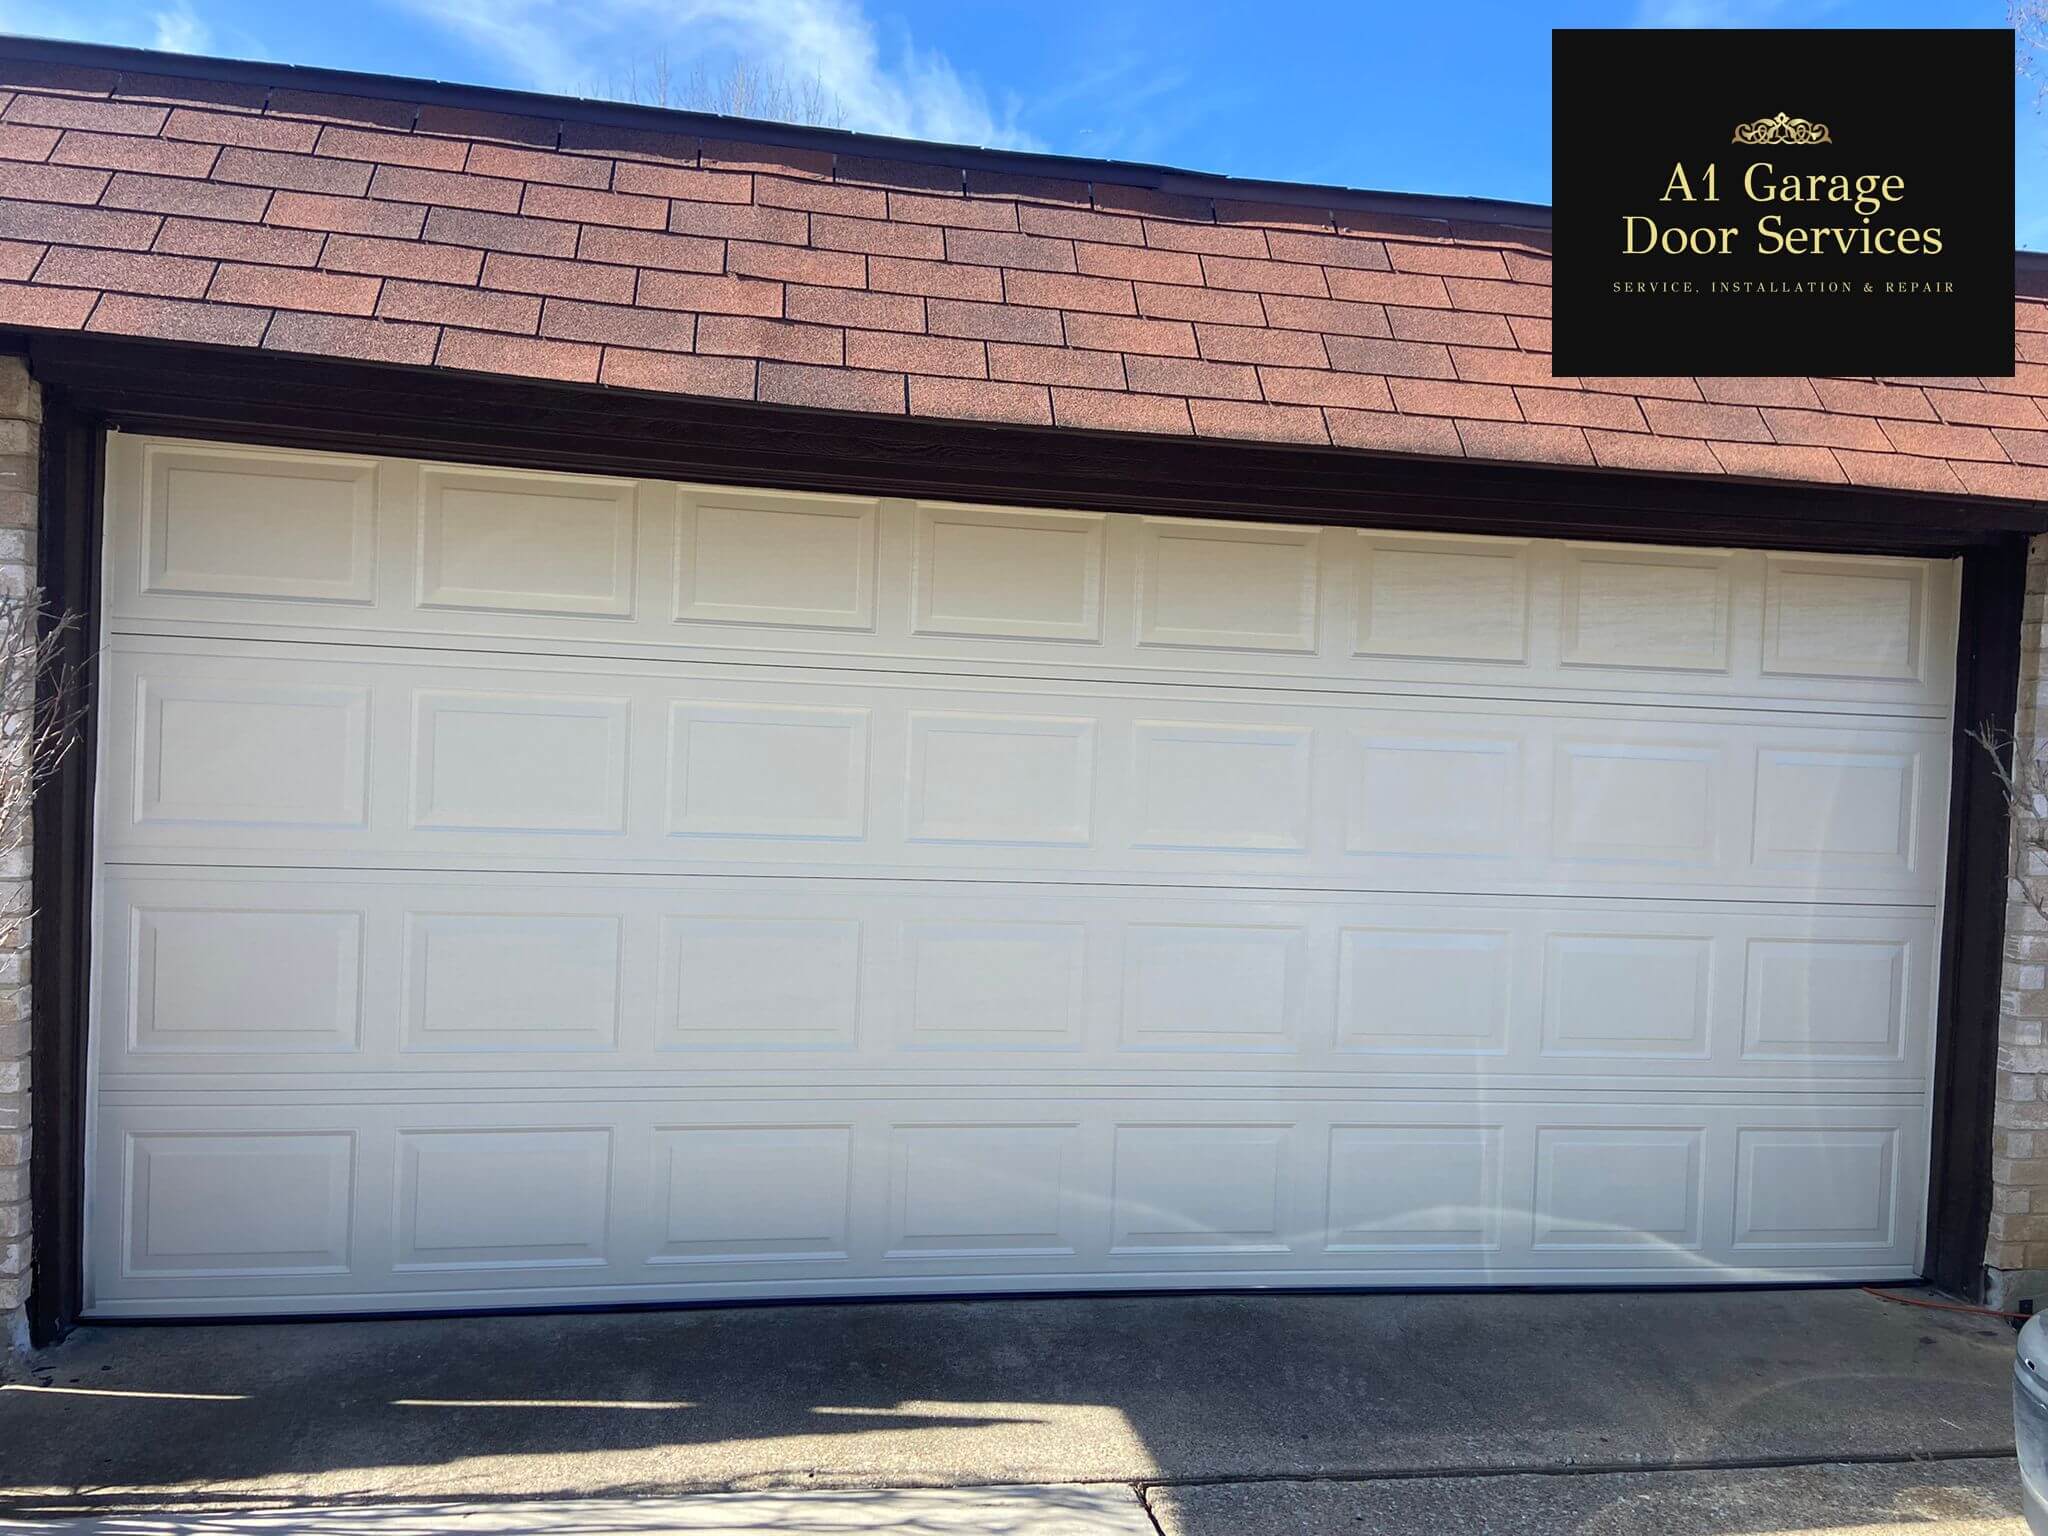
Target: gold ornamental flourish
[{"x": 1782, "y": 130}]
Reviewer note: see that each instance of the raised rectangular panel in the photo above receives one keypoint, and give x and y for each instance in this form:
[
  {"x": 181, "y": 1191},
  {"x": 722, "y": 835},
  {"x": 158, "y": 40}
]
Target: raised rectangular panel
[
  {"x": 980, "y": 1191},
  {"x": 503, "y": 1199},
  {"x": 1844, "y": 618},
  {"x": 1200, "y": 1189},
  {"x": 1413, "y": 1188},
  {"x": 736, "y": 1194},
  {"x": 1226, "y": 586},
  {"x": 753, "y": 771},
  {"x": 996, "y": 986},
  {"x": 1618, "y": 1187},
  {"x": 801, "y": 561},
  {"x": 1646, "y": 608},
  {"x": 1221, "y": 786},
  {"x": 250, "y": 754},
  {"x": 482, "y": 981},
  {"x": 242, "y": 523},
  {"x": 1815, "y": 1188},
  {"x": 1824, "y": 998},
  {"x": 513, "y": 542},
  {"x": 215, "y": 979},
  {"x": 1192, "y": 987},
  {"x": 759, "y": 983},
  {"x": 519, "y": 762},
  {"x": 1626, "y": 994},
  {"x": 1014, "y": 575},
  {"x": 236, "y": 1204},
  {"x": 1022, "y": 779},
  {"x": 1434, "y": 796},
  {"x": 1638, "y": 804},
  {"x": 1840, "y": 809},
  {"x": 1443, "y": 599},
  {"x": 1429, "y": 990}
]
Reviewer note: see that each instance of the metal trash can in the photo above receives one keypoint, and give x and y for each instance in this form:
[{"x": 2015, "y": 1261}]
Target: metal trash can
[{"x": 2030, "y": 1420}]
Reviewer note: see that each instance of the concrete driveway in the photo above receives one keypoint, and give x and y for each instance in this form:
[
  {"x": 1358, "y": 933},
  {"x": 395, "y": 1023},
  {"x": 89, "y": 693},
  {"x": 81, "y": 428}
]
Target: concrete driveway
[{"x": 1195, "y": 1416}]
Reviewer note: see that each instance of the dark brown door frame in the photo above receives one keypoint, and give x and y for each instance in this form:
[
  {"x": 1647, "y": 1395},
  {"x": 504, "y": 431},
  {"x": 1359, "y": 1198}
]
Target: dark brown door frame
[{"x": 93, "y": 384}]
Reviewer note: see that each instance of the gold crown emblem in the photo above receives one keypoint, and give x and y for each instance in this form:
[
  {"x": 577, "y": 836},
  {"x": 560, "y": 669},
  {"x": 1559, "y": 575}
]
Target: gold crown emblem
[{"x": 1782, "y": 130}]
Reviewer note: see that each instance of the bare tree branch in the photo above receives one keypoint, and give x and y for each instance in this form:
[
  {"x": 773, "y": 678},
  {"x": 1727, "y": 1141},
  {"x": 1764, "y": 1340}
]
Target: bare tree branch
[
  {"x": 40, "y": 712},
  {"x": 2029, "y": 21},
  {"x": 747, "y": 88}
]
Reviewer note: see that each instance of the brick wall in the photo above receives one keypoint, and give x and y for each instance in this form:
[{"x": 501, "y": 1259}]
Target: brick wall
[
  {"x": 21, "y": 415},
  {"x": 2016, "y": 1255}
]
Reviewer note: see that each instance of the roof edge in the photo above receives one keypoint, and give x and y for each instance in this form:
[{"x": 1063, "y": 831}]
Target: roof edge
[{"x": 1159, "y": 178}]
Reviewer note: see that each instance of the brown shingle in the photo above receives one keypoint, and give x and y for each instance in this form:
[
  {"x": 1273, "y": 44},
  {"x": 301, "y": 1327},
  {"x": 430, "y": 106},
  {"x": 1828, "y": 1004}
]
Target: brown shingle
[
  {"x": 1343, "y": 251},
  {"x": 644, "y": 248},
  {"x": 1821, "y": 429},
  {"x": 1192, "y": 377},
  {"x": 1257, "y": 276},
  {"x": 169, "y": 277},
  {"x": 1319, "y": 386},
  {"x": 1068, "y": 290},
  {"x": 1724, "y": 423},
  {"x": 301, "y": 173},
  {"x": 51, "y": 183},
  {"x": 709, "y": 293},
  {"x": 294, "y": 288},
  {"x": 684, "y": 181},
  {"x": 980, "y": 400},
  {"x": 19, "y": 143},
  {"x": 1386, "y": 432},
  {"x": 797, "y": 264},
  {"x": 46, "y": 309},
  {"x": 1439, "y": 397},
  {"x": 1260, "y": 344},
  {"x": 831, "y": 389},
  {"x": 1415, "y": 290},
  {"x": 216, "y": 324},
  {"x": 1574, "y": 408},
  {"x": 737, "y": 221},
  {"x": 678, "y": 373},
  {"x": 401, "y": 258},
  {"x": 1055, "y": 365},
  {"x": 448, "y": 189},
  {"x": 348, "y": 215},
  {"x": 1105, "y": 411},
  {"x": 240, "y": 242},
  {"x": 986, "y": 248},
  {"x": 347, "y": 143},
  {"x": 993, "y": 322},
  {"x": 849, "y": 306},
  {"x": 237, "y": 128},
  {"x": 1161, "y": 301},
  {"x": 1519, "y": 440},
  {"x": 500, "y": 232},
  {"x": 530, "y": 357},
  {"x": 1652, "y": 455},
  {"x": 382, "y": 341},
  {"x": 1273, "y": 423},
  {"x": 622, "y": 325},
  {"x": 782, "y": 340},
  {"x": 876, "y": 237},
  {"x": 201, "y": 199},
  {"x": 570, "y": 279},
  {"x": 1462, "y": 326},
  {"x": 953, "y": 209},
  {"x": 519, "y": 164},
  {"x": 61, "y": 225},
  {"x": 935, "y": 279},
  {"x": 1120, "y": 333},
  {"x": 1335, "y": 317},
  {"x": 118, "y": 152},
  {"x": 99, "y": 116},
  {"x": 1405, "y": 359},
  {"x": 1773, "y": 461},
  {"x": 896, "y": 352},
  {"x": 446, "y": 304},
  {"x": 545, "y": 200},
  {"x": 1145, "y": 266},
  {"x": 1939, "y": 440}
]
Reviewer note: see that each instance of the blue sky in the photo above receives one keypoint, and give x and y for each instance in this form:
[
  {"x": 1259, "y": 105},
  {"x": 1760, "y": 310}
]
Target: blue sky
[{"x": 1386, "y": 94}]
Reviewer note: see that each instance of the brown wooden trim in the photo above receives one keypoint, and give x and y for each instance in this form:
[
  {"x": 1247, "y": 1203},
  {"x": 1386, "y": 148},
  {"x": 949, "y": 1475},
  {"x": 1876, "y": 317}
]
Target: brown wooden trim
[
  {"x": 1973, "y": 922},
  {"x": 68, "y": 569},
  {"x": 256, "y": 396},
  {"x": 93, "y": 384}
]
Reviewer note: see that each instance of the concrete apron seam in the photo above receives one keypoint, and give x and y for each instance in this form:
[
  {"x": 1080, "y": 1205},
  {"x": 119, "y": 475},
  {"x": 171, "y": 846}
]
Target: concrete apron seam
[
  {"x": 1573, "y": 1469},
  {"x": 37, "y": 1507}
]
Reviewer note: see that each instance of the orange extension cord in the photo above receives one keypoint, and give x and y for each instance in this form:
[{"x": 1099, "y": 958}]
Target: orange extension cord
[{"x": 1944, "y": 1306}]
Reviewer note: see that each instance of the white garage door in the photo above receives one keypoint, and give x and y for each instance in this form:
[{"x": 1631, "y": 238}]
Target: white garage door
[{"x": 521, "y": 888}]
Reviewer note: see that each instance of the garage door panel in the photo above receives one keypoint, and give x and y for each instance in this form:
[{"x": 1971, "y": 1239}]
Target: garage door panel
[
  {"x": 233, "y": 750},
  {"x": 554, "y": 888},
  {"x": 524, "y": 1200},
  {"x": 396, "y": 551},
  {"x": 406, "y": 980}
]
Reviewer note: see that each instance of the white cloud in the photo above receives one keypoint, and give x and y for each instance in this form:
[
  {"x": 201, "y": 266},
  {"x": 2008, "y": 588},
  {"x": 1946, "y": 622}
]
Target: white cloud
[
  {"x": 575, "y": 45},
  {"x": 179, "y": 30}
]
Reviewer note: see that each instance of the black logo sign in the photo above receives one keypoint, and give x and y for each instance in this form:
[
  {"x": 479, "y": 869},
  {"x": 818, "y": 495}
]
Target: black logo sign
[{"x": 1783, "y": 202}]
